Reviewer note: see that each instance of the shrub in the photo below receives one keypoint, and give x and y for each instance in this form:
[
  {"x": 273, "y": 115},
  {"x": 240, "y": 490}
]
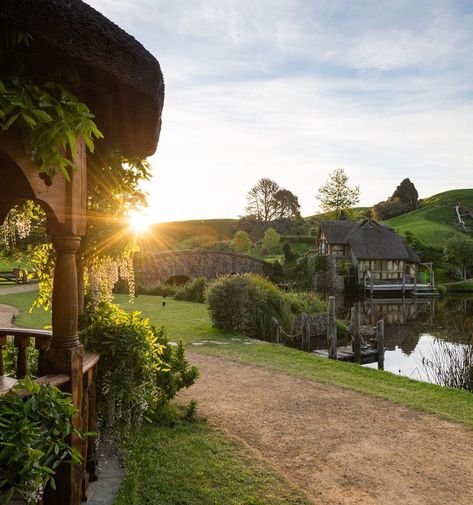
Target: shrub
[
  {"x": 34, "y": 436},
  {"x": 287, "y": 251},
  {"x": 134, "y": 357},
  {"x": 310, "y": 264},
  {"x": 304, "y": 301},
  {"x": 192, "y": 291},
  {"x": 157, "y": 289},
  {"x": 241, "y": 242},
  {"x": 271, "y": 240},
  {"x": 246, "y": 303},
  {"x": 392, "y": 207}
]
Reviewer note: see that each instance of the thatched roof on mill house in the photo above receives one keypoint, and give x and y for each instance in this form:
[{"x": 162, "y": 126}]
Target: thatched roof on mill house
[
  {"x": 119, "y": 79},
  {"x": 369, "y": 240},
  {"x": 337, "y": 232}
]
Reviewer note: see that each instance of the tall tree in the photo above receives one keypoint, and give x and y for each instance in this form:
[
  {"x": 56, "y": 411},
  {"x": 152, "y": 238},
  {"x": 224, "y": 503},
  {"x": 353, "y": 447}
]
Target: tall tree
[
  {"x": 260, "y": 199},
  {"x": 286, "y": 205},
  {"x": 407, "y": 192},
  {"x": 266, "y": 201},
  {"x": 336, "y": 195}
]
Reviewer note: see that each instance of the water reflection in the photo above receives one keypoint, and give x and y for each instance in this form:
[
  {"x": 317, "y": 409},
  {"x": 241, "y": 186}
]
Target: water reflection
[{"x": 413, "y": 328}]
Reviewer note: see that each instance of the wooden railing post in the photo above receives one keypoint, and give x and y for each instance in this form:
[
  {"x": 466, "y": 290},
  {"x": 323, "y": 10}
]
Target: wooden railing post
[
  {"x": 3, "y": 343},
  {"x": 21, "y": 342}
]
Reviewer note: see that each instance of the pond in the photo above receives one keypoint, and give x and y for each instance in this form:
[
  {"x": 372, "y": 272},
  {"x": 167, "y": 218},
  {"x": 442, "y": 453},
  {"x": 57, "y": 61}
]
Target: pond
[{"x": 417, "y": 331}]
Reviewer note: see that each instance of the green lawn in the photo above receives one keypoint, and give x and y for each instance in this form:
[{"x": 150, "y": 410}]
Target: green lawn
[
  {"x": 434, "y": 223},
  {"x": 192, "y": 464}
]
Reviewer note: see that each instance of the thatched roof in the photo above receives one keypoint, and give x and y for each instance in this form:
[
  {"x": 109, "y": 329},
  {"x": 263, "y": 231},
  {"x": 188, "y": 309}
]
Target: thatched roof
[
  {"x": 119, "y": 79},
  {"x": 369, "y": 240},
  {"x": 337, "y": 232}
]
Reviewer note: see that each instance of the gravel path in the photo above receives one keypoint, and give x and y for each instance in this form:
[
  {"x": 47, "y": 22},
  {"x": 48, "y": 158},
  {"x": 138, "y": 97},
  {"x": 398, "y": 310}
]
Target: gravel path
[{"x": 338, "y": 446}]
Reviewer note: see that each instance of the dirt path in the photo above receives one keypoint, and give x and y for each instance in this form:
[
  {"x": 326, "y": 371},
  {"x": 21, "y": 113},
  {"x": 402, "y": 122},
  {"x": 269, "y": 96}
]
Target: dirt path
[
  {"x": 6, "y": 314},
  {"x": 338, "y": 446},
  {"x": 20, "y": 288}
]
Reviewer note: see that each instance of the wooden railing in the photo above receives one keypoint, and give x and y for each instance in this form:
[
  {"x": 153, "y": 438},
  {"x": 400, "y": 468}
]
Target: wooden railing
[{"x": 22, "y": 340}]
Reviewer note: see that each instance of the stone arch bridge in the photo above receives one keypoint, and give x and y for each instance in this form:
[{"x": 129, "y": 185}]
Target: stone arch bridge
[{"x": 177, "y": 267}]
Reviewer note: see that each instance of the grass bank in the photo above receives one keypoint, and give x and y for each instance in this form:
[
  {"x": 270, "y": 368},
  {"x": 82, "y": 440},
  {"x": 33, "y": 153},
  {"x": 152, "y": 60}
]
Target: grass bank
[
  {"x": 460, "y": 286},
  {"x": 435, "y": 221},
  {"x": 193, "y": 464}
]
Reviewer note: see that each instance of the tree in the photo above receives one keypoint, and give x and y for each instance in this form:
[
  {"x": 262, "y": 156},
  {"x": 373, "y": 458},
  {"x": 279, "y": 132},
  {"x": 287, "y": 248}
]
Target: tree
[
  {"x": 407, "y": 193},
  {"x": 271, "y": 239},
  {"x": 241, "y": 241},
  {"x": 459, "y": 252},
  {"x": 336, "y": 195},
  {"x": 266, "y": 202},
  {"x": 286, "y": 205},
  {"x": 260, "y": 200}
]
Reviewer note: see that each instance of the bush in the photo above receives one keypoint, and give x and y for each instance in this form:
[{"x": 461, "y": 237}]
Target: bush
[
  {"x": 241, "y": 242},
  {"x": 34, "y": 437},
  {"x": 287, "y": 251},
  {"x": 157, "y": 289},
  {"x": 192, "y": 291},
  {"x": 135, "y": 363},
  {"x": 304, "y": 301},
  {"x": 271, "y": 240},
  {"x": 392, "y": 207},
  {"x": 246, "y": 303},
  {"x": 310, "y": 264},
  {"x": 299, "y": 239}
]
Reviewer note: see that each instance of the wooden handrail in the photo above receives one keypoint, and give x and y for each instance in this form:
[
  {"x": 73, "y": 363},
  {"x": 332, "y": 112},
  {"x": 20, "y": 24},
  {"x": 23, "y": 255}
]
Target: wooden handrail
[{"x": 25, "y": 332}]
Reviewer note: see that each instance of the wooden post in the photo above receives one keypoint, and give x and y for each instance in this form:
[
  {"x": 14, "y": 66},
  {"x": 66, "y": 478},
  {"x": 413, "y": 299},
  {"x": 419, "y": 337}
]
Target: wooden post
[
  {"x": 331, "y": 329},
  {"x": 66, "y": 356},
  {"x": 307, "y": 333},
  {"x": 356, "y": 329},
  {"x": 380, "y": 343}
]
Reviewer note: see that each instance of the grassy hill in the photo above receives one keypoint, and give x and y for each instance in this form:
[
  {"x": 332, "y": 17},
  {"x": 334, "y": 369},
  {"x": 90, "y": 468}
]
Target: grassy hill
[
  {"x": 187, "y": 234},
  {"x": 434, "y": 222}
]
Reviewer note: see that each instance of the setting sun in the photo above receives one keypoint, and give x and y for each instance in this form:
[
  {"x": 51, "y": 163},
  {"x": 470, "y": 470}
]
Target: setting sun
[{"x": 140, "y": 221}]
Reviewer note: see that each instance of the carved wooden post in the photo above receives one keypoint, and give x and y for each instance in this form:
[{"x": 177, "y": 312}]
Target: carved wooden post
[{"x": 66, "y": 356}]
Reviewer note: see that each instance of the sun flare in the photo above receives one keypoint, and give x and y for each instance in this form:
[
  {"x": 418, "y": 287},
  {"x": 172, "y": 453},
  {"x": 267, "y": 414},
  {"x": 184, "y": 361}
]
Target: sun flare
[{"x": 140, "y": 222}]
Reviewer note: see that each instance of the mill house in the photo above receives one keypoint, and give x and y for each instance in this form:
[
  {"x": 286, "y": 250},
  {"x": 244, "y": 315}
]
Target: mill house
[{"x": 381, "y": 259}]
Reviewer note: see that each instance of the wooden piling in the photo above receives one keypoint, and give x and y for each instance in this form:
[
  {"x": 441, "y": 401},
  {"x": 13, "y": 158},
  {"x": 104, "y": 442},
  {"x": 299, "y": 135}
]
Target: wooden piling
[
  {"x": 380, "y": 343},
  {"x": 356, "y": 330},
  {"x": 331, "y": 329}
]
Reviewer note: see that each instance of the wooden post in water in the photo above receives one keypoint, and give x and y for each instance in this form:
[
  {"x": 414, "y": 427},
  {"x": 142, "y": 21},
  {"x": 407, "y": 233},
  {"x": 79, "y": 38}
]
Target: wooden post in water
[
  {"x": 380, "y": 343},
  {"x": 356, "y": 330},
  {"x": 331, "y": 329}
]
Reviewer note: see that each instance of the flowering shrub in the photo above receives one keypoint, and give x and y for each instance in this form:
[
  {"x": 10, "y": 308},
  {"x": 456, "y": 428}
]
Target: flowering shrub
[
  {"x": 34, "y": 433},
  {"x": 138, "y": 372}
]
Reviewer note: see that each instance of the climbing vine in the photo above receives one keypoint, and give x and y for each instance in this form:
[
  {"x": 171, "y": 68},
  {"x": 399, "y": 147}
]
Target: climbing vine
[{"x": 53, "y": 115}]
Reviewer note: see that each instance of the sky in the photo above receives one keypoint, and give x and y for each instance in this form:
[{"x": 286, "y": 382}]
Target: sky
[{"x": 293, "y": 89}]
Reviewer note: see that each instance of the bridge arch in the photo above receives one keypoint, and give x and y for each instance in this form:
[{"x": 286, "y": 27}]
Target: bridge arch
[{"x": 157, "y": 267}]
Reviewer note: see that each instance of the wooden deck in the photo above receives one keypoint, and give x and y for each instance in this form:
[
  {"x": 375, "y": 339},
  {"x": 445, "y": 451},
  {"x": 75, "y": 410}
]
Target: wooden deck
[
  {"x": 368, "y": 354},
  {"x": 423, "y": 289}
]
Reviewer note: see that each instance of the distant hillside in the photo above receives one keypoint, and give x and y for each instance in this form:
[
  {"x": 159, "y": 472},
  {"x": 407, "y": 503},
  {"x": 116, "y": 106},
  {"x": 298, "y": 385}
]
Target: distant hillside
[
  {"x": 435, "y": 222},
  {"x": 188, "y": 234}
]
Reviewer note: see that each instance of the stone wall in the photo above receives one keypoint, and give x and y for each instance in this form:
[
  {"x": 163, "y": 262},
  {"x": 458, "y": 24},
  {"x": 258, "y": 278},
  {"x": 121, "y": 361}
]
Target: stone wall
[
  {"x": 317, "y": 324},
  {"x": 329, "y": 280},
  {"x": 154, "y": 268}
]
